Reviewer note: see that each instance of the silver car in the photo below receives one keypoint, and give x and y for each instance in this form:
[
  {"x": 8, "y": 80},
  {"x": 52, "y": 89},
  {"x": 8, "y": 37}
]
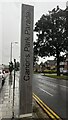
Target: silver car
[{"x": 1, "y": 78}]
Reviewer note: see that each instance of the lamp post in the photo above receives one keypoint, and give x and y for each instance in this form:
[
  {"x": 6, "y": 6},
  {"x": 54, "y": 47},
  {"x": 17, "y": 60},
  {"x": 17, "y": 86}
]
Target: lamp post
[
  {"x": 14, "y": 77},
  {"x": 11, "y": 50},
  {"x": 13, "y": 89},
  {"x": 11, "y": 63}
]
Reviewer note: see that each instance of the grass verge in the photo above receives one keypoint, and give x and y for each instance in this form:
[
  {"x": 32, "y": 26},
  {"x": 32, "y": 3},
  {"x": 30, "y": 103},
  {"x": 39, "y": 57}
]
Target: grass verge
[
  {"x": 57, "y": 77},
  {"x": 38, "y": 112}
]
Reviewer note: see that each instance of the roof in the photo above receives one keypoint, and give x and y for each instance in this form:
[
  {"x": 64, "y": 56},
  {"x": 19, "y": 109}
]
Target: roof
[{"x": 50, "y": 62}]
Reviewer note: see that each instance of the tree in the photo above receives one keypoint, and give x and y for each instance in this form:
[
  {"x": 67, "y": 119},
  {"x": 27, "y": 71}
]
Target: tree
[
  {"x": 35, "y": 55},
  {"x": 10, "y": 66},
  {"x": 17, "y": 66},
  {"x": 42, "y": 66},
  {"x": 52, "y": 36}
]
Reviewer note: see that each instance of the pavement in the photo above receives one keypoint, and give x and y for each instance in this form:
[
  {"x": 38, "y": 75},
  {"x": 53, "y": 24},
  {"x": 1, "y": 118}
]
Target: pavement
[{"x": 6, "y": 98}]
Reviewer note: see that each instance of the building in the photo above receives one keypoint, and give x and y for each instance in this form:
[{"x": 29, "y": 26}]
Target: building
[{"x": 50, "y": 64}]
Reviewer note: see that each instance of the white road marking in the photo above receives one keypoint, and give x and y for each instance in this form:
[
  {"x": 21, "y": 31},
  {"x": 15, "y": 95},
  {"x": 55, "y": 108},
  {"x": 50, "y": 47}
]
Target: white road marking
[
  {"x": 54, "y": 85},
  {"x": 63, "y": 86},
  {"x": 49, "y": 83},
  {"x": 46, "y": 92}
]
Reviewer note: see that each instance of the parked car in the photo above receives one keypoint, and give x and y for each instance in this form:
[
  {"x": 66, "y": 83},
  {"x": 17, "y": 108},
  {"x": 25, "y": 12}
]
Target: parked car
[
  {"x": 6, "y": 70},
  {"x": 2, "y": 78},
  {"x": 1, "y": 74},
  {"x": 65, "y": 72}
]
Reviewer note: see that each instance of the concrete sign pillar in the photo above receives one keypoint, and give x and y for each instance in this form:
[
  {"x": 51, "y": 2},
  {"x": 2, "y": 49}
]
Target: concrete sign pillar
[
  {"x": 26, "y": 60},
  {"x": 67, "y": 4}
]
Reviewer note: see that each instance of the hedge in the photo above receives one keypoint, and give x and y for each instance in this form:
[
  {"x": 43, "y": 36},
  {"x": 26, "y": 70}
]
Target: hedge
[{"x": 50, "y": 71}]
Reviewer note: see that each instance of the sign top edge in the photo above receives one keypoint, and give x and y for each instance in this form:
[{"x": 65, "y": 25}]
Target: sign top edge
[{"x": 27, "y": 5}]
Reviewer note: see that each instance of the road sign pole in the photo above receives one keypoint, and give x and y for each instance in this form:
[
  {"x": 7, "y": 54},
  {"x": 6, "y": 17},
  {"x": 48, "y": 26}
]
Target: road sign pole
[{"x": 26, "y": 61}]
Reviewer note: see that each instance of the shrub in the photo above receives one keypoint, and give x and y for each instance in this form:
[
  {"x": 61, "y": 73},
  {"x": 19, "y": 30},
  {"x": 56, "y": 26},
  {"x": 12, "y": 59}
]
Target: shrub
[{"x": 50, "y": 71}]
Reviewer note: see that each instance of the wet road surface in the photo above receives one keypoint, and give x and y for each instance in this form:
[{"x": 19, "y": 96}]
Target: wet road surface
[{"x": 53, "y": 92}]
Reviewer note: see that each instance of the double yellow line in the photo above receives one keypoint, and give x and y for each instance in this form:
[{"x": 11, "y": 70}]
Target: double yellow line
[{"x": 50, "y": 113}]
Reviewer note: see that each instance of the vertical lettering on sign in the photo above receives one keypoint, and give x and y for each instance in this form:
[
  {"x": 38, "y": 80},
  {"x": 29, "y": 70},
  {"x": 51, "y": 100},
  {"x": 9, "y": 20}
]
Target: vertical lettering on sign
[{"x": 27, "y": 45}]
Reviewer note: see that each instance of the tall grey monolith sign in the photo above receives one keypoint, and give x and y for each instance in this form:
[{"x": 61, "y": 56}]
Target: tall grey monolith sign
[{"x": 26, "y": 60}]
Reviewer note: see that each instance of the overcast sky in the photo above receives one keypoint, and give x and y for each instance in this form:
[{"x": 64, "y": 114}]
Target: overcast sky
[{"x": 10, "y": 23}]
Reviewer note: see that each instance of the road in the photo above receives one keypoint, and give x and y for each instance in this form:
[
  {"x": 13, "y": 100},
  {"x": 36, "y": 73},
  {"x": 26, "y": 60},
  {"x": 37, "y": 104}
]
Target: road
[{"x": 53, "y": 93}]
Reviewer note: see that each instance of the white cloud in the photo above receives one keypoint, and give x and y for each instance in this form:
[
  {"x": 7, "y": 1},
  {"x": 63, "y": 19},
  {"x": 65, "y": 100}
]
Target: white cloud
[
  {"x": 11, "y": 22},
  {"x": 33, "y": 1}
]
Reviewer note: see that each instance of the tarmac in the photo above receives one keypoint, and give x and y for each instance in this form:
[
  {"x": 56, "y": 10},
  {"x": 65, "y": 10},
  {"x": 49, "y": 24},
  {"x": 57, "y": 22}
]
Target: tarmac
[{"x": 6, "y": 102}]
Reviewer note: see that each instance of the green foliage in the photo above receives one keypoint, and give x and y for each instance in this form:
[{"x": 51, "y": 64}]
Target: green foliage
[
  {"x": 57, "y": 77},
  {"x": 52, "y": 35},
  {"x": 50, "y": 71},
  {"x": 17, "y": 66},
  {"x": 10, "y": 66}
]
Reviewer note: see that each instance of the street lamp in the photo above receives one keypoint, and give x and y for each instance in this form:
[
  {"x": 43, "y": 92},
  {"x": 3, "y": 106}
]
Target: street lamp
[
  {"x": 13, "y": 90},
  {"x": 11, "y": 76},
  {"x": 11, "y": 50}
]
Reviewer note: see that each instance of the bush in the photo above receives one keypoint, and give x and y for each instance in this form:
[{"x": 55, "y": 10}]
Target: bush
[{"x": 50, "y": 71}]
